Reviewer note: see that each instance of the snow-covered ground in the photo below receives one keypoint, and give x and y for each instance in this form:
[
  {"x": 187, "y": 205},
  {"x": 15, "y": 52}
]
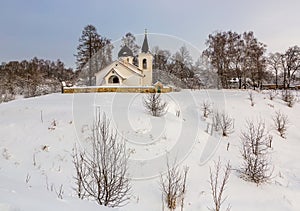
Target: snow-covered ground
[{"x": 37, "y": 136}]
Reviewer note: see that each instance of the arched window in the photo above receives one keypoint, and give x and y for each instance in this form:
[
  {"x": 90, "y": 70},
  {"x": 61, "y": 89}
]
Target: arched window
[
  {"x": 144, "y": 63},
  {"x": 113, "y": 79}
]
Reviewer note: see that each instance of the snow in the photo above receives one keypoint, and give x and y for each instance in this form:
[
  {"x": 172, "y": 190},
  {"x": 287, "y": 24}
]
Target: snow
[{"x": 38, "y": 134}]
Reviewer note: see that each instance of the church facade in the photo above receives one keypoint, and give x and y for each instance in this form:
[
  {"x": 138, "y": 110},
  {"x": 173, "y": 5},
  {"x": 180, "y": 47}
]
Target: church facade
[{"x": 123, "y": 72}]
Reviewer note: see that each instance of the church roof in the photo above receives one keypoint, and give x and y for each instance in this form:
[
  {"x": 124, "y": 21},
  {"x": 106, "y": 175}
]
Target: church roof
[
  {"x": 132, "y": 68},
  {"x": 145, "y": 46},
  {"x": 125, "y": 51}
]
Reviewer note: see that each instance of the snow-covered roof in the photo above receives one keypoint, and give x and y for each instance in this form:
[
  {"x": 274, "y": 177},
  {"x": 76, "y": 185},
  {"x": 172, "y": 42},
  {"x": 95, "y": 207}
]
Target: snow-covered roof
[
  {"x": 132, "y": 68},
  {"x": 118, "y": 73}
]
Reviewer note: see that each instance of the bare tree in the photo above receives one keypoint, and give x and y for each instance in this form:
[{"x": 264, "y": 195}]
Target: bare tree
[
  {"x": 181, "y": 64},
  {"x": 274, "y": 62},
  {"x": 130, "y": 41},
  {"x": 280, "y": 122},
  {"x": 161, "y": 58},
  {"x": 173, "y": 185},
  {"x": 236, "y": 55},
  {"x": 218, "y": 185},
  {"x": 217, "y": 55},
  {"x": 101, "y": 173},
  {"x": 290, "y": 62},
  {"x": 226, "y": 124},
  {"x": 256, "y": 160},
  {"x": 206, "y": 108},
  {"x": 154, "y": 104}
]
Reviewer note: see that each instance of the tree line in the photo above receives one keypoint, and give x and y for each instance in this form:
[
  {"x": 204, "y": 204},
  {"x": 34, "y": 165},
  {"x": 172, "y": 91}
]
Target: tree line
[
  {"x": 242, "y": 56},
  {"x": 228, "y": 55},
  {"x": 32, "y": 77}
]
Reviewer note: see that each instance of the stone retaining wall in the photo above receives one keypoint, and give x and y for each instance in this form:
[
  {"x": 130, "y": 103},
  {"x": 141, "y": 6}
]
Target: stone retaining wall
[{"x": 115, "y": 89}]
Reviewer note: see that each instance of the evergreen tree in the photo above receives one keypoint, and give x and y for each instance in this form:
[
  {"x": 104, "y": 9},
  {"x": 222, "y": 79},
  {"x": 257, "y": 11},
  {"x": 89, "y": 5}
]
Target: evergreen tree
[{"x": 90, "y": 43}]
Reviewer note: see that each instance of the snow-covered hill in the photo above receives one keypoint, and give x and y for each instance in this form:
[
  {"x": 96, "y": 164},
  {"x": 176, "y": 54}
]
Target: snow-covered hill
[{"x": 37, "y": 136}]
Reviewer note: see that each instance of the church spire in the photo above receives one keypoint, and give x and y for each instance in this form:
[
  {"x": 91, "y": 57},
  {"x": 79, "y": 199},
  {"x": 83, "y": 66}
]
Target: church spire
[{"x": 145, "y": 46}]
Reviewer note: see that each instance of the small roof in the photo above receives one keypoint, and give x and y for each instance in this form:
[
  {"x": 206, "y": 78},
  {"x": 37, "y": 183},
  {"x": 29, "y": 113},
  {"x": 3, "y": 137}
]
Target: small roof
[
  {"x": 117, "y": 72},
  {"x": 125, "y": 51}
]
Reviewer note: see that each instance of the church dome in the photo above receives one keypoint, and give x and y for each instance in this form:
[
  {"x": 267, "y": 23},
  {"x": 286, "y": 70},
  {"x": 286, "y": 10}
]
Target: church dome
[{"x": 125, "y": 51}]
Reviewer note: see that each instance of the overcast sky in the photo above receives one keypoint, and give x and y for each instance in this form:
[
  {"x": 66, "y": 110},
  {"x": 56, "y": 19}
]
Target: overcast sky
[{"x": 50, "y": 29}]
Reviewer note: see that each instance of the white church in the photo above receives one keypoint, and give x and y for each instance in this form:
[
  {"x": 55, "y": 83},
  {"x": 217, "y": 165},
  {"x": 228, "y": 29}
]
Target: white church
[{"x": 124, "y": 73}]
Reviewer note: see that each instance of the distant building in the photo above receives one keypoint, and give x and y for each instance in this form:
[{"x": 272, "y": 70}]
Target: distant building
[{"x": 123, "y": 72}]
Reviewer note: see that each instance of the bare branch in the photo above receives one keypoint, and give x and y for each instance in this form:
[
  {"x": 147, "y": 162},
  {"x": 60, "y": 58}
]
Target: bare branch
[
  {"x": 218, "y": 185},
  {"x": 173, "y": 185},
  {"x": 101, "y": 173},
  {"x": 227, "y": 124},
  {"x": 280, "y": 122},
  {"x": 251, "y": 98},
  {"x": 288, "y": 97},
  {"x": 222, "y": 121},
  {"x": 206, "y": 108},
  {"x": 256, "y": 161}
]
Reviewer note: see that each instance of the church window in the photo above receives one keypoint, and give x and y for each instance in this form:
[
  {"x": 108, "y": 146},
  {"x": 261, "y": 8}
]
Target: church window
[{"x": 144, "y": 63}]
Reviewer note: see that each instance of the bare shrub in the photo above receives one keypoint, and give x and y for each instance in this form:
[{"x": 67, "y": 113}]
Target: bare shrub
[
  {"x": 173, "y": 185},
  {"x": 154, "y": 104},
  {"x": 256, "y": 160},
  {"x": 291, "y": 100},
  {"x": 222, "y": 121},
  {"x": 284, "y": 95},
  {"x": 6, "y": 155},
  {"x": 52, "y": 125},
  {"x": 251, "y": 98},
  {"x": 59, "y": 192},
  {"x": 101, "y": 174},
  {"x": 272, "y": 94},
  {"x": 218, "y": 184},
  {"x": 226, "y": 124},
  {"x": 178, "y": 113},
  {"x": 216, "y": 120},
  {"x": 280, "y": 122},
  {"x": 183, "y": 191},
  {"x": 206, "y": 108},
  {"x": 288, "y": 97},
  {"x": 28, "y": 177},
  {"x": 34, "y": 159}
]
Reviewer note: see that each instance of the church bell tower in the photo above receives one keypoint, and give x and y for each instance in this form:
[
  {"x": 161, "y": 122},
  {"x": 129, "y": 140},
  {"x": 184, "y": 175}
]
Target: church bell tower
[{"x": 145, "y": 59}]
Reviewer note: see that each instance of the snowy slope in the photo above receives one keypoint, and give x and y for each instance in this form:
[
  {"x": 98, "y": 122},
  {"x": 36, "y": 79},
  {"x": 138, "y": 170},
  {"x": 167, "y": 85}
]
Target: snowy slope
[{"x": 37, "y": 136}]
